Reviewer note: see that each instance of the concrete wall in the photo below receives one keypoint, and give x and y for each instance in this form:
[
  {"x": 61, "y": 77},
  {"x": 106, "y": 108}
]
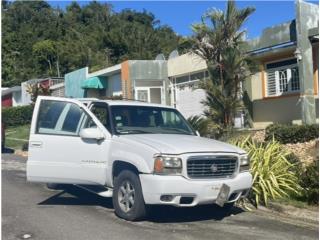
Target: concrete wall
[
  {"x": 188, "y": 101},
  {"x": 25, "y": 96},
  {"x": 309, "y": 13},
  {"x": 277, "y": 110},
  {"x": 184, "y": 64},
  {"x": 307, "y": 16},
  {"x": 273, "y": 36},
  {"x": 148, "y": 70},
  {"x": 73, "y": 81},
  {"x": 253, "y": 86}
]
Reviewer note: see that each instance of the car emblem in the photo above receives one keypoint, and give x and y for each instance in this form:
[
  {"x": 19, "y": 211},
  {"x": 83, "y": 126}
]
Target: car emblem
[{"x": 214, "y": 168}]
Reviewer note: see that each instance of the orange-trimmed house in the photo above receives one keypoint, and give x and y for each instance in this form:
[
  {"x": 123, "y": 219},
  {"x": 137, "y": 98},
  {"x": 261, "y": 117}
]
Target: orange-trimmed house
[
  {"x": 285, "y": 89},
  {"x": 144, "y": 80}
]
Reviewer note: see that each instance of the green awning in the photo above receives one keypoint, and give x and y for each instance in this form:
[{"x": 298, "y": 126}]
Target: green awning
[{"x": 95, "y": 83}]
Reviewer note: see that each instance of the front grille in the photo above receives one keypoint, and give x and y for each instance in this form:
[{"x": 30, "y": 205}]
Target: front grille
[{"x": 211, "y": 166}]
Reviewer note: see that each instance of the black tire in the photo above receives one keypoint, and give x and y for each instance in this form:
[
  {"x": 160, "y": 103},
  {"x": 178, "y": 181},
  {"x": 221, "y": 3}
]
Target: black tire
[
  {"x": 122, "y": 203},
  {"x": 54, "y": 186}
]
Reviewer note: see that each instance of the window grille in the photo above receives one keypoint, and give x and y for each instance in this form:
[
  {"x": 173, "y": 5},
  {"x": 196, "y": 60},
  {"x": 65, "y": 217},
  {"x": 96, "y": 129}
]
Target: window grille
[{"x": 282, "y": 77}]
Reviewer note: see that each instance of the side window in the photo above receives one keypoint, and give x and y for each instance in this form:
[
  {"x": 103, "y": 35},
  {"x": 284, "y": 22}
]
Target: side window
[
  {"x": 101, "y": 112},
  {"x": 49, "y": 113},
  {"x": 60, "y": 118}
]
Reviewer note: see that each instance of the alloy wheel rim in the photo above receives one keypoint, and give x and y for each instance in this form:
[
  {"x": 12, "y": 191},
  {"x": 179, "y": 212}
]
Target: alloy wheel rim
[{"x": 126, "y": 196}]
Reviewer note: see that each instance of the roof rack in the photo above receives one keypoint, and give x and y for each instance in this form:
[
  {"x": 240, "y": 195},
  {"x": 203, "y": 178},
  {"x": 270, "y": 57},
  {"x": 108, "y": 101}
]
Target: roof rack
[
  {"x": 134, "y": 100},
  {"x": 110, "y": 99},
  {"x": 120, "y": 99}
]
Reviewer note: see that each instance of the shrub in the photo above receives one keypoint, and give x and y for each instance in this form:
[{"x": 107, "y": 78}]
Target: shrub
[
  {"x": 15, "y": 116},
  {"x": 231, "y": 134},
  {"x": 309, "y": 181},
  {"x": 273, "y": 175},
  {"x": 205, "y": 126},
  {"x": 291, "y": 133},
  {"x": 199, "y": 124}
]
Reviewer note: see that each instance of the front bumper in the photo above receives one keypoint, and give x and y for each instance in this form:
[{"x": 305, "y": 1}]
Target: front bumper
[{"x": 154, "y": 187}]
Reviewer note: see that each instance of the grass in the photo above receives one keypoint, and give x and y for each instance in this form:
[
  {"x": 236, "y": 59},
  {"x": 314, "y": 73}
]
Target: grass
[{"x": 17, "y": 136}]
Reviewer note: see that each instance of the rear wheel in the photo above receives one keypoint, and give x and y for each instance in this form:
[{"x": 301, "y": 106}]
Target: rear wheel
[{"x": 127, "y": 198}]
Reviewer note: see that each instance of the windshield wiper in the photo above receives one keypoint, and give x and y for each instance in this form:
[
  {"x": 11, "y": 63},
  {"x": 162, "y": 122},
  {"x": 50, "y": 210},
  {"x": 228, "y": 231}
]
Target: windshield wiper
[{"x": 129, "y": 131}]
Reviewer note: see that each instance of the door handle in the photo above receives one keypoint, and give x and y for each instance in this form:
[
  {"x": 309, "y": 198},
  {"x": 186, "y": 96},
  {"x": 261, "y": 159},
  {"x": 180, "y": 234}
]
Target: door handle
[{"x": 35, "y": 144}]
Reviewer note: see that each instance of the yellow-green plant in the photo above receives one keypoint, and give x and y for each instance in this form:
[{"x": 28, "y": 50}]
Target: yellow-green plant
[{"x": 273, "y": 175}]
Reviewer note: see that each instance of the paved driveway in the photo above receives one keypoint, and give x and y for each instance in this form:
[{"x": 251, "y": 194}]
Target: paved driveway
[{"x": 31, "y": 211}]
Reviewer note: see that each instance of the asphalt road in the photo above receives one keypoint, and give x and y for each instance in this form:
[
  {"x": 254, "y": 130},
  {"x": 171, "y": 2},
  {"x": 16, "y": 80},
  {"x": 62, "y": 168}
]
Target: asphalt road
[{"x": 31, "y": 211}]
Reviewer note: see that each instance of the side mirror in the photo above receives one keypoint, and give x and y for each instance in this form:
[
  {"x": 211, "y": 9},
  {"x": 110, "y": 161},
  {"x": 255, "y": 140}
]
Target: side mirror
[
  {"x": 198, "y": 134},
  {"x": 91, "y": 133}
]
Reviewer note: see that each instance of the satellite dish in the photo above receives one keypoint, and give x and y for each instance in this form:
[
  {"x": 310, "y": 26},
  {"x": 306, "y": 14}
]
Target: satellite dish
[
  {"x": 174, "y": 54},
  {"x": 160, "y": 57}
]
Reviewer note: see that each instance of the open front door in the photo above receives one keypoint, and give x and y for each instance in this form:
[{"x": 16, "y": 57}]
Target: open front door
[{"x": 57, "y": 153}]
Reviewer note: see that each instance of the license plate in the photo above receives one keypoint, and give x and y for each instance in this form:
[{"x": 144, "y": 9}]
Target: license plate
[{"x": 223, "y": 195}]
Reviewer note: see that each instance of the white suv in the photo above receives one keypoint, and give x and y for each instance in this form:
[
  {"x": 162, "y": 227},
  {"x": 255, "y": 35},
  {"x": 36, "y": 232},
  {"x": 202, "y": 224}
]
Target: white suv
[{"x": 138, "y": 153}]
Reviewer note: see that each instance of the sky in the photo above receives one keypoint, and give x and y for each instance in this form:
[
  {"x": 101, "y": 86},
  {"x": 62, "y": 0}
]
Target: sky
[{"x": 181, "y": 14}]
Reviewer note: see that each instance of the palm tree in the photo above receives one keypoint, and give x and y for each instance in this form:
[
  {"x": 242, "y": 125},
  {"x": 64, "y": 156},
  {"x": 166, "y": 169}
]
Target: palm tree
[{"x": 220, "y": 45}]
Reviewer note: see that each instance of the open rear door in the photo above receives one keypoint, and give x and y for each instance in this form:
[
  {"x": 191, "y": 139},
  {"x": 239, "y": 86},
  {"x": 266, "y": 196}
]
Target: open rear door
[{"x": 57, "y": 153}]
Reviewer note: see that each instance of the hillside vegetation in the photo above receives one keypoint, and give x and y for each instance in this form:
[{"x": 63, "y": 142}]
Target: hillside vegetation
[{"x": 39, "y": 40}]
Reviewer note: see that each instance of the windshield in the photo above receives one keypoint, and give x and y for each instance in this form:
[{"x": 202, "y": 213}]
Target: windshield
[{"x": 148, "y": 120}]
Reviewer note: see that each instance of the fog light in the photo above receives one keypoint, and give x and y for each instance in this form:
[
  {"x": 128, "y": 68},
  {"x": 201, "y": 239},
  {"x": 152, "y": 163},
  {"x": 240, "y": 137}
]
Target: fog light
[
  {"x": 186, "y": 200},
  {"x": 166, "y": 198}
]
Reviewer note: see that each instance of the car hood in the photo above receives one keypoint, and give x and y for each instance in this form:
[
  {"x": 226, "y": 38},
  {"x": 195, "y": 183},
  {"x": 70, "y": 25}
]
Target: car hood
[{"x": 178, "y": 144}]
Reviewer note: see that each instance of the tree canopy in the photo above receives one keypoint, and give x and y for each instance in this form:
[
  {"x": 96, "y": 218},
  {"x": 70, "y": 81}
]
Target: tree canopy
[
  {"x": 219, "y": 41},
  {"x": 39, "y": 40}
]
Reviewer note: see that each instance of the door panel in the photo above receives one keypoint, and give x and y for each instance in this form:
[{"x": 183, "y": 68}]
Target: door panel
[
  {"x": 155, "y": 95},
  {"x": 67, "y": 160},
  {"x": 188, "y": 101},
  {"x": 57, "y": 153}
]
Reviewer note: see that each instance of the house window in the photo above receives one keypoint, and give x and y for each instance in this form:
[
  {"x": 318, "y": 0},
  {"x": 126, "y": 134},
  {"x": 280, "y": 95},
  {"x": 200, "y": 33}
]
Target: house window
[
  {"x": 283, "y": 80},
  {"x": 282, "y": 77},
  {"x": 192, "y": 77},
  {"x": 182, "y": 79}
]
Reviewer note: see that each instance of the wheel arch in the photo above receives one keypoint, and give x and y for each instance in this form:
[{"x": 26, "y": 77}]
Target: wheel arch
[{"x": 120, "y": 165}]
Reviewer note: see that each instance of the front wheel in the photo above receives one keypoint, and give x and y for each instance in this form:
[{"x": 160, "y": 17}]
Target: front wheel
[{"x": 127, "y": 198}]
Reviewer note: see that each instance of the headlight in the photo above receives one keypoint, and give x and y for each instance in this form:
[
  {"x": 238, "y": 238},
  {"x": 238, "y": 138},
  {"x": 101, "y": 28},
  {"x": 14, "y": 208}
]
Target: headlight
[
  {"x": 244, "y": 163},
  {"x": 167, "y": 165}
]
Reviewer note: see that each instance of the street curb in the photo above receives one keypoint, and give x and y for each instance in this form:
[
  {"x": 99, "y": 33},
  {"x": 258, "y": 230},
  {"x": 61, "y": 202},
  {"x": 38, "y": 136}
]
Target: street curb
[{"x": 287, "y": 211}]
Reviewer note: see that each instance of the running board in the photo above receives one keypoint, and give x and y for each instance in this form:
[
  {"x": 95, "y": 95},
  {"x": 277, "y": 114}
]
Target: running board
[{"x": 97, "y": 189}]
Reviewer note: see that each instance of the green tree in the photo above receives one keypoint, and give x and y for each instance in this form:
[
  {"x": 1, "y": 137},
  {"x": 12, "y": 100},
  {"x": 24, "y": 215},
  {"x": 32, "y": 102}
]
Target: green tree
[
  {"x": 45, "y": 51},
  {"x": 220, "y": 43},
  {"x": 39, "y": 40}
]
